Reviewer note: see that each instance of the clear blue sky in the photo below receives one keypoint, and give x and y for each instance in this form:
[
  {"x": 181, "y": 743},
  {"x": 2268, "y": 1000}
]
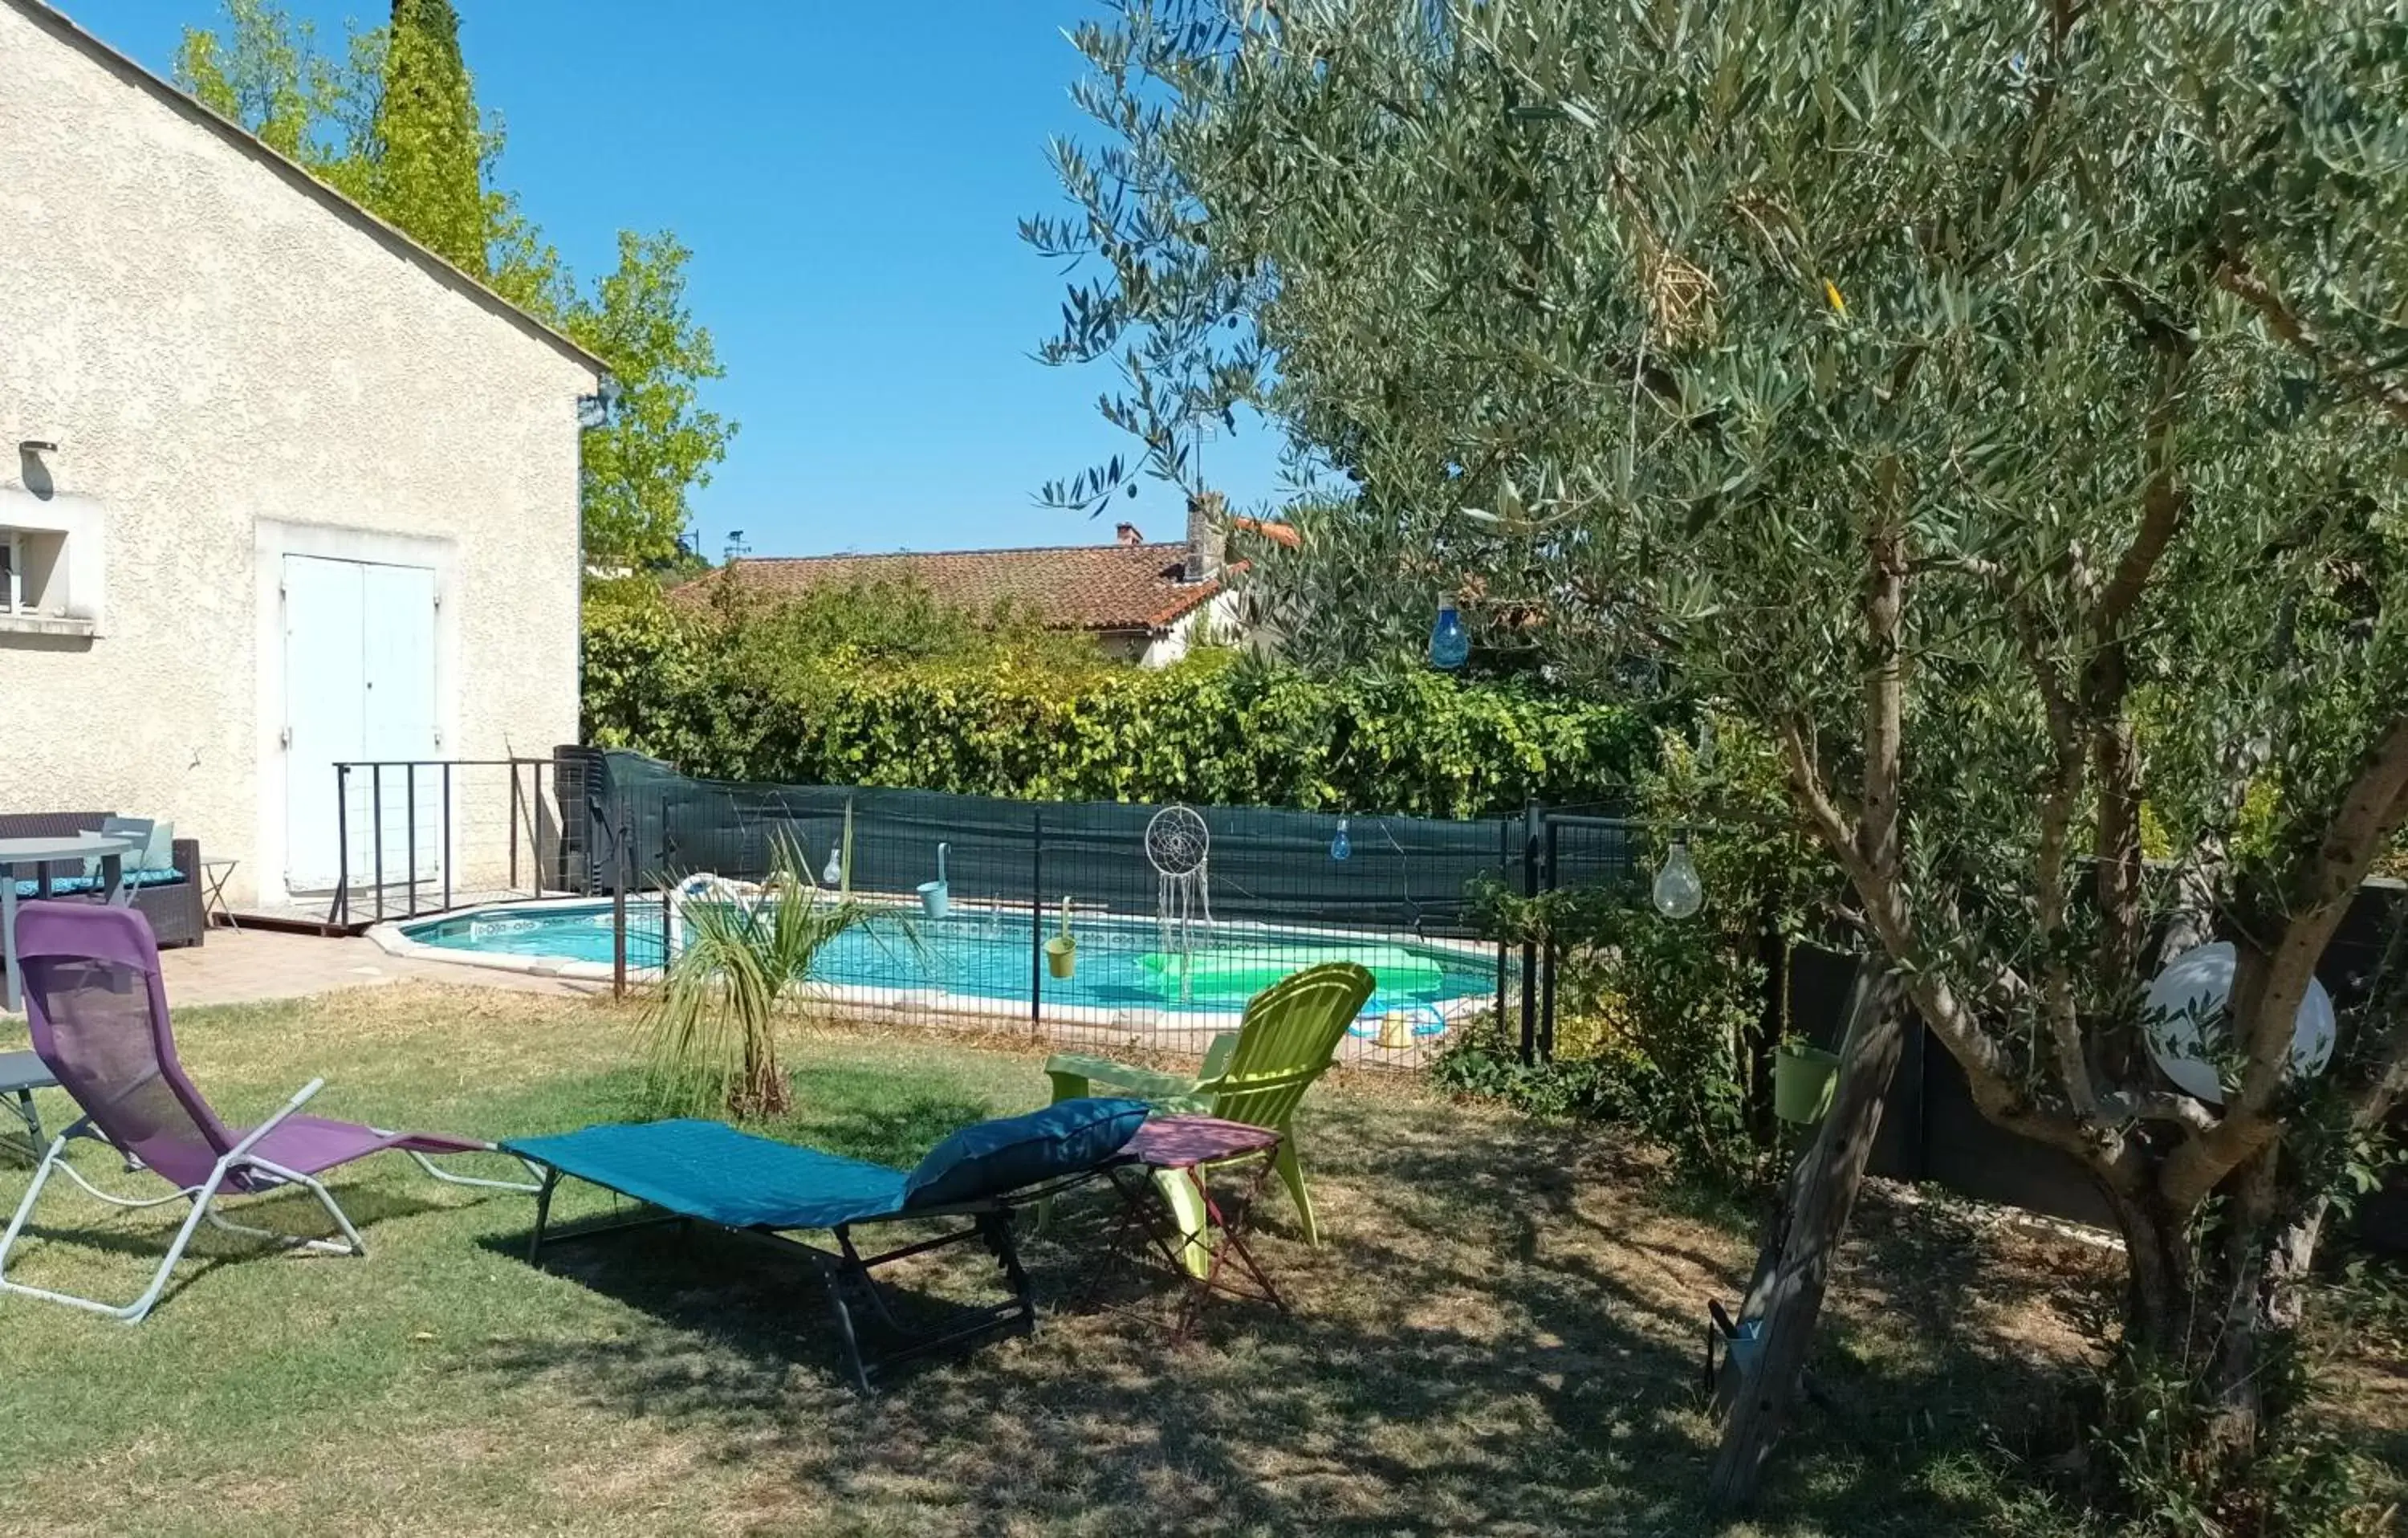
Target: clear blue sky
[{"x": 850, "y": 178}]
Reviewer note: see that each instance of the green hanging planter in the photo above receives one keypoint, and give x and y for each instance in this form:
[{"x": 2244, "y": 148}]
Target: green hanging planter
[
  {"x": 1802, "y": 1081},
  {"x": 1062, "y": 951}
]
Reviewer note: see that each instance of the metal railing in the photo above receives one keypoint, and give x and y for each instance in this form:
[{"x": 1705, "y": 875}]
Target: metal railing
[{"x": 421, "y": 835}]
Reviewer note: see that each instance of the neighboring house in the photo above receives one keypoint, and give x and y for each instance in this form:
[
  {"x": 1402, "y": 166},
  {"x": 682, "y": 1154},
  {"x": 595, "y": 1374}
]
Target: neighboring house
[
  {"x": 1143, "y": 603},
  {"x": 279, "y": 487}
]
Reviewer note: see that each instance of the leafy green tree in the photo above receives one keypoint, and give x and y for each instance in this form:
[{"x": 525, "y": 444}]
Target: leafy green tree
[
  {"x": 2003, "y": 405},
  {"x": 1352, "y": 591},
  {"x": 393, "y": 125},
  {"x": 641, "y": 466},
  {"x": 265, "y": 71},
  {"x": 839, "y": 629}
]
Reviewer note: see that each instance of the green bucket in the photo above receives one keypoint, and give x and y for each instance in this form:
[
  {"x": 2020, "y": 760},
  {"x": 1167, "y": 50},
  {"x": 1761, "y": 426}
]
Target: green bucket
[
  {"x": 1802, "y": 1081},
  {"x": 1062, "y": 956}
]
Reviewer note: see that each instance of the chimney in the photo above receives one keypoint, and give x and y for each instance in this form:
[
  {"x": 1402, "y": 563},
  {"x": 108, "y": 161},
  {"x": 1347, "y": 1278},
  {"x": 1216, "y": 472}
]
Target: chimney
[
  {"x": 1207, "y": 518},
  {"x": 1126, "y": 534}
]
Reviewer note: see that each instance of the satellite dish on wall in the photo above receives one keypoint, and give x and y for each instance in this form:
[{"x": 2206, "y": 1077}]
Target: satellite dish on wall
[{"x": 2184, "y": 1022}]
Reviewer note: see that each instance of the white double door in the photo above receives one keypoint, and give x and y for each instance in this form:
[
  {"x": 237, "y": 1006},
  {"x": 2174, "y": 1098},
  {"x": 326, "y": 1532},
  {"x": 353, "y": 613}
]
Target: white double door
[{"x": 359, "y": 688}]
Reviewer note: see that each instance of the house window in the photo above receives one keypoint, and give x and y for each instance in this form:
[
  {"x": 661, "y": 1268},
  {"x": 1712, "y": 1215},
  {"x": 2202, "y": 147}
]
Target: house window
[
  {"x": 30, "y": 562},
  {"x": 53, "y": 565},
  {"x": 41, "y": 572}
]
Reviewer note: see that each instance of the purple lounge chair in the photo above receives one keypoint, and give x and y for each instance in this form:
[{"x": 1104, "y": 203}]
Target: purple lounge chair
[{"x": 99, "y": 1019}]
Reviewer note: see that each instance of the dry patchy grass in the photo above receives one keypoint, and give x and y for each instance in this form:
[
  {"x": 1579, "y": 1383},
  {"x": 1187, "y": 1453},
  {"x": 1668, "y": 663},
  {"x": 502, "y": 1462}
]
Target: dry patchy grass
[{"x": 1501, "y": 1334}]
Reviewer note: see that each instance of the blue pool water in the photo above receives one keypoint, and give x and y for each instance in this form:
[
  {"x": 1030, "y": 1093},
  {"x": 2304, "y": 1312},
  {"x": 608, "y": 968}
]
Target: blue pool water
[{"x": 988, "y": 955}]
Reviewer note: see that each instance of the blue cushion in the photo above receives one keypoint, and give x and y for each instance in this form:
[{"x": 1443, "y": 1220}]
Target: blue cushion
[
  {"x": 61, "y": 886},
  {"x": 1012, "y": 1152},
  {"x": 67, "y": 886},
  {"x": 711, "y": 1171}
]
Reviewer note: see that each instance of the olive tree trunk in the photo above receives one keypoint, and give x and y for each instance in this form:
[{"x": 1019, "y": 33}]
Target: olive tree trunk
[
  {"x": 1786, "y": 1298},
  {"x": 2209, "y": 1307}
]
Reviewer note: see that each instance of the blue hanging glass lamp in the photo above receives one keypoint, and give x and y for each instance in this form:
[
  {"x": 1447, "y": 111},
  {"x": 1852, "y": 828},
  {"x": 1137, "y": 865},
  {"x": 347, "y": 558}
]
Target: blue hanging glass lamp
[
  {"x": 1450, "y": 644},
  {"x": 1339, "y": 845}
]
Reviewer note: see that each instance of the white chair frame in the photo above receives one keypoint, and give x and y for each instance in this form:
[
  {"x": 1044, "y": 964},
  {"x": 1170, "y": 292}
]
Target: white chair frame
[{"x": 237, "y": 1158}]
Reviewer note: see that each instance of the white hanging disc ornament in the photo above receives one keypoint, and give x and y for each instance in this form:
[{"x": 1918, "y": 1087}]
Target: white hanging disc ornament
[{"x": 2182, "y": 1019}]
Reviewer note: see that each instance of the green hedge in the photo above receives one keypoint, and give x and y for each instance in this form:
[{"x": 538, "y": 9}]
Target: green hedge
[{"x": 734, "y": 698}]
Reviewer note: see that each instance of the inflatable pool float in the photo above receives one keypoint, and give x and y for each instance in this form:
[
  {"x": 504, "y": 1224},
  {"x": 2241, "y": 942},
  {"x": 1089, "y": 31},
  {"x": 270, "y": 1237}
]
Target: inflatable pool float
[
  {"x": 1397, "y": 1028},
  {"x": 1220, "y": 971},
  {"x": 705, "y": 886}
]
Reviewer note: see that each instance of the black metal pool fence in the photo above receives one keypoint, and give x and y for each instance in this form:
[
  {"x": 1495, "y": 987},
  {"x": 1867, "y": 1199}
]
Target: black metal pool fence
[
  {"x": 1283, "y": 883},
  {"x": 628, "y": 828}
]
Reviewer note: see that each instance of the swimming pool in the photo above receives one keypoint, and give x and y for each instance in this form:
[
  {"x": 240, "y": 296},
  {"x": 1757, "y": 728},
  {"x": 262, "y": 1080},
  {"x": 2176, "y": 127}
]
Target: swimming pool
[{"x": 984, "y": 961}]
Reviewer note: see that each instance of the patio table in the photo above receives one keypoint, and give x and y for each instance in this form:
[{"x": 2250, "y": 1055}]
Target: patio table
[
  {"x": 33, "y": 853},
  {"x": 21, "y": 1074},
  {"x": 214, "y": 875},
  {"x": 1188, "y": 1148}
]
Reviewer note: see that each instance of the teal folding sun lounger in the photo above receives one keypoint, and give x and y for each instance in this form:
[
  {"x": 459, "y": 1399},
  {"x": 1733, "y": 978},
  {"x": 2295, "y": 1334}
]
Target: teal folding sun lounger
[{"x": 704, "y": 1171}]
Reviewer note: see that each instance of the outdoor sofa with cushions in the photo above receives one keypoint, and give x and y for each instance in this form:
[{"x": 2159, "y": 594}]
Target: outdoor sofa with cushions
[
  {"x": 704, "y": 1171},
  {"x": 169, "y": 895}
]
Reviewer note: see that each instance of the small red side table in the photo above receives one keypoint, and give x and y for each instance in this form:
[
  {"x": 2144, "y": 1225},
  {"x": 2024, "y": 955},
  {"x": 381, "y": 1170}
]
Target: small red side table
[{"x": 1192, "y": 1148}]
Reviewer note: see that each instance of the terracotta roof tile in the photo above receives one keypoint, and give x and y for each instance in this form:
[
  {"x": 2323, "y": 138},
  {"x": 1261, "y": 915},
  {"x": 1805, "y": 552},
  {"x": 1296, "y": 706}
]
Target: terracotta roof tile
[
  {"x": 1070, "y": 587},
  {"x": 1276, "y": 532}
]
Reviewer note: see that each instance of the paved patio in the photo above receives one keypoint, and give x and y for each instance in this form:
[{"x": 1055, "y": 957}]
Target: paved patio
[{"x": 237, "y": 967}]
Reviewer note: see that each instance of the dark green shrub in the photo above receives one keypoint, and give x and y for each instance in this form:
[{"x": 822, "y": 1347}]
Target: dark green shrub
[
  {"x": 839, "y": 691},
  {"x": 1656, "y": 1023},
  {"x": 1659, "y": 1023}
]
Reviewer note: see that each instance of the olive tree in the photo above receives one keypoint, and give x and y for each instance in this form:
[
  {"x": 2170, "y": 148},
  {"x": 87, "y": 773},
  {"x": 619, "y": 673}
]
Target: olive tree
[{"x": 2004, "y": 405}]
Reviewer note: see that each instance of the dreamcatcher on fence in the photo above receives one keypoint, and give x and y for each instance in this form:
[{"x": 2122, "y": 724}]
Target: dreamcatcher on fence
[{"x": 1178, "y": 845}]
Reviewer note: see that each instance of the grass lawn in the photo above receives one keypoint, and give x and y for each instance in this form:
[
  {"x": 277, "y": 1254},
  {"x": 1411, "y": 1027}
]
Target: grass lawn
[{"x": 1501, "y": 1336}]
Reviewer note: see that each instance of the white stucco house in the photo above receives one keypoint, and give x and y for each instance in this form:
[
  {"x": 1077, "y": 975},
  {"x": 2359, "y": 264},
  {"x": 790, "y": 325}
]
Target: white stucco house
[{"x": 279, "y": 487}]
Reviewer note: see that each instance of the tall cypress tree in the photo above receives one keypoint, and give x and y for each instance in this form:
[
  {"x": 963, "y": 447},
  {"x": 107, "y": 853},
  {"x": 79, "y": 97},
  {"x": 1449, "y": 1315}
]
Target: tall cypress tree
[
  {"x": 430, "y": 148},
  {"x": 434, "y": 19}
]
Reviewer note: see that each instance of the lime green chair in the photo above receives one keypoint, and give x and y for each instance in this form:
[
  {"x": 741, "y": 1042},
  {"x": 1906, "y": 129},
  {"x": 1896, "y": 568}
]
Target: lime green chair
[{"x": 1257, "y": 1075}]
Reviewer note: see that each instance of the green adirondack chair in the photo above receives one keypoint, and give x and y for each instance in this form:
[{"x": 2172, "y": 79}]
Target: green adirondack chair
[{"x": 1257, "y": 1075}]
